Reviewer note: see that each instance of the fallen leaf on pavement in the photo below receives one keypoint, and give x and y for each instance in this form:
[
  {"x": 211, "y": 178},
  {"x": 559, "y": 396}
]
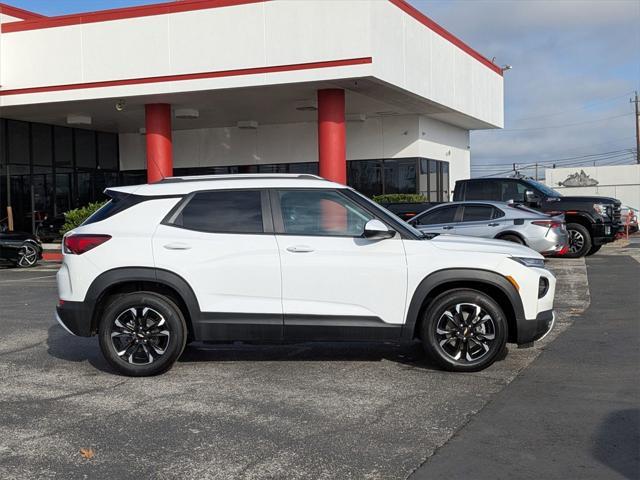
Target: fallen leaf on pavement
[{"x": 87, "y": 453}]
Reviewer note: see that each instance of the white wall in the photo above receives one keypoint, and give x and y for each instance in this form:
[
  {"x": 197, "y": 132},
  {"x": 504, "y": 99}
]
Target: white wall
[
  {"x": 617, "y": 181},
  {"x": 380, "y": 137},
  {"x": 409, "y": 55}
]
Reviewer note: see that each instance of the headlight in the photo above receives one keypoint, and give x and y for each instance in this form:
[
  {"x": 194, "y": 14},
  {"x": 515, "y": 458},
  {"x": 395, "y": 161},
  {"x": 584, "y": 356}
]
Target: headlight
[
  {"x": 601, "y": 209},
  {"x": 529, "y": 262}
]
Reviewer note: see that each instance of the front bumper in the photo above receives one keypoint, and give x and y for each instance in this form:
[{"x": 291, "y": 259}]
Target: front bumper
[
  {"x": 530, "y": 331},
  {"x": 604, "y": 233},
  {"x": 74, "y": 318}
]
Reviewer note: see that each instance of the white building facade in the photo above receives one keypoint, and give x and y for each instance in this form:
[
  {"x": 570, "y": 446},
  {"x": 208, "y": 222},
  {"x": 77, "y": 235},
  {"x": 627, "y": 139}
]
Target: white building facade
[
  {"x": 366, "y": 92},
  {"x": 617, "y": 181}
]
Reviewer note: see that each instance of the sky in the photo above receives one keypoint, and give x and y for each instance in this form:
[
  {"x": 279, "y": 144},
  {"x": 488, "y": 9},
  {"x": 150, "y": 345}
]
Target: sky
[{"x": 576, "y": 64}]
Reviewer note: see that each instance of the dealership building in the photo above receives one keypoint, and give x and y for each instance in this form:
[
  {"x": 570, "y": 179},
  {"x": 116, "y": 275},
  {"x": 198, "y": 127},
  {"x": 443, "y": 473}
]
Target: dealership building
[{"x": 370, "y": 93}]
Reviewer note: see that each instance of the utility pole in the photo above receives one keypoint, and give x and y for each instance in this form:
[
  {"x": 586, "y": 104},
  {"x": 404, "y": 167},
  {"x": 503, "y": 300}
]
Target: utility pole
[{"x": 637, "y": 102}]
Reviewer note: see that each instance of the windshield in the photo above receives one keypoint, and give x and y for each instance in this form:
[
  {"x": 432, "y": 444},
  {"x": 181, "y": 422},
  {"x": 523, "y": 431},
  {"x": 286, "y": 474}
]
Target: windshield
[{"x": 547, "y": 191}]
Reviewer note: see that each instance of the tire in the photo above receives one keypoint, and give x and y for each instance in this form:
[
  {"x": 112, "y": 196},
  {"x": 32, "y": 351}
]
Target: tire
[
  {"x": 512, "y": 238},
  {"x": 153, "y": 335},
  {"x": 480, "y": 342},
  {"x": 595, "y": 249},
  {"x": 27, "y": 255},
  {"x": 579, "y": 241}
]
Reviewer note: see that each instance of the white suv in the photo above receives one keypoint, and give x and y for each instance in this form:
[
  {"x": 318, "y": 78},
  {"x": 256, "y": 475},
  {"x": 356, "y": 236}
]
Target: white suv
[{"x": 288, "y": 258}]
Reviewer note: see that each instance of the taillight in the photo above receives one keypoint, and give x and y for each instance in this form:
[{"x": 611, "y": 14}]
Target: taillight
[
  {"x": 79, "y": 244},
  {"x": 548, "y": 223}
]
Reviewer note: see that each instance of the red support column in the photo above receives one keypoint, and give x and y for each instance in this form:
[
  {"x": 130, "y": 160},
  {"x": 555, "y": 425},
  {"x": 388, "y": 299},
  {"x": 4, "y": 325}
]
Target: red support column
[
  {"x": 159, "y": 146},
  {"x": 332, "y": 149}
]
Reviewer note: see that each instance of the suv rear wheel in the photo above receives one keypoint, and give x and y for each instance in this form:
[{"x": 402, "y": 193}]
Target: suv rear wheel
[
  {"x": 464, "y": 330},
  {"x": 142, "y": 333},
  {"x": 579, "y": 240}
]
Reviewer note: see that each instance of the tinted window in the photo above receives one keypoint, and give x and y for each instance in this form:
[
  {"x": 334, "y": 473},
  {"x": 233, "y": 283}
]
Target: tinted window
[
  {"x": 512, "y": 190},
  {"x": 237, "y": 211},
  {"x": 477, "y": 213},
  {"x": 482, "y": 191},
  {"x": 85, "y": 146},
  {"x": 441, "y": 215},
  {"x": 321, "y": 212}
]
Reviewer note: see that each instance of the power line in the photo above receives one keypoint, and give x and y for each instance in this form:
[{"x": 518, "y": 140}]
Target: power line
[{"x": 562, "y": 160}]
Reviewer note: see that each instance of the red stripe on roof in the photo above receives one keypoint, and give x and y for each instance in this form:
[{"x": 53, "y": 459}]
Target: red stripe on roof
[
  {"x": 427, "y": 22},
  {"x": 121, "y": 13},
  {"x": 19, "y": 12},
  {"x": 192, "y": 76}
]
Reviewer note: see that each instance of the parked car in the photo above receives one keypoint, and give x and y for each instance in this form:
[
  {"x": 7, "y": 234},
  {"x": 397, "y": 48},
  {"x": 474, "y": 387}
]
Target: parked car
[
  {"x": 20, "y": 249},
  {"x": 406, "y": 211},
  {"x": 288, "y": 258},
  {"x": 49, "y": 229},
  {"x": 515, "y": 223},
  {"x": 591, "y": 221}
]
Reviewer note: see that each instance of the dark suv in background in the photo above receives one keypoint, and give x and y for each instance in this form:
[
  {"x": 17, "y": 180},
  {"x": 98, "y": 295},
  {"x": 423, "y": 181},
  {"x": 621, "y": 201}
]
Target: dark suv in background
[{"x": 591, "y": 221}]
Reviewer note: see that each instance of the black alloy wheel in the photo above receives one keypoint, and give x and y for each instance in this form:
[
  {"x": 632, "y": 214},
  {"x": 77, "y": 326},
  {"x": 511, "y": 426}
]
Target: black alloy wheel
[
  {"x": 579, "y": 241},
  {"x": 142, "y": 333},
  {"x": 464, "y": 330}
]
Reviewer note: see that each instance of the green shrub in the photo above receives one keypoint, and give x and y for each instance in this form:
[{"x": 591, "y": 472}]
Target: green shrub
[
  {"x": 73, "y": 218},
  {"x": 400, "y": 198}
]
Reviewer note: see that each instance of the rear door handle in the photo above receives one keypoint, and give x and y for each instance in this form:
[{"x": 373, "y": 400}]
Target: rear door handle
[
  {"x": 494, "y": 224},
  {"x": 177, "y": 246},
  {"x": 447, "y": 227},
  {"x": 299, "y": 249}
]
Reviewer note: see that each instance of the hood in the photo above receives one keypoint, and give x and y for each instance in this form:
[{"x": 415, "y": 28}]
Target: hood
[
  {"x": 585, "y": 199},
  {"x": 482, "y": 245}
]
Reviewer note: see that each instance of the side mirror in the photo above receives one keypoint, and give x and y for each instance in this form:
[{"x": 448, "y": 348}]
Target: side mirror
[
  {"x": 531, "y": 197},
  {"x": 375, "y": 229}
]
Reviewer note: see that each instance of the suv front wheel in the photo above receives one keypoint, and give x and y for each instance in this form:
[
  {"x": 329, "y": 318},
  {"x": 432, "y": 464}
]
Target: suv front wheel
[
  {"x": 464, "y": 330},
  {"x": 142, "y": 333}
]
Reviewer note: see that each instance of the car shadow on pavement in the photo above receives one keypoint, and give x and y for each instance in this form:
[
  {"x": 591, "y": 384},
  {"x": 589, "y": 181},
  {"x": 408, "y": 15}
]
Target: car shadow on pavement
[
  {"x": 617, "y": 442},
  {"x": 64, "y": 346}
]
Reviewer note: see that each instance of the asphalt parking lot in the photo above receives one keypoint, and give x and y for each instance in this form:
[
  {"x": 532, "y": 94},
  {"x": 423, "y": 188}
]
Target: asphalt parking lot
[{"x": 324, "y": 411}]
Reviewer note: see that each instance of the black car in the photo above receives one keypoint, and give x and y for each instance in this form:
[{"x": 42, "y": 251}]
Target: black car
[
  {"x": 591, "y": 221},
  {"x": 20, "y": 249}
]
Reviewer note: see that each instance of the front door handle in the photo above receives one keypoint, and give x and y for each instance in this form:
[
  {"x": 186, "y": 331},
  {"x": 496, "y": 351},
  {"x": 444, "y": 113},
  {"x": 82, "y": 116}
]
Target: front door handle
[
  {"x": 299, "y": 249},
  {"x": 494, "y": 224},
  {"x": 177, "y": 246},
  {"x": 447, "y": 227}
]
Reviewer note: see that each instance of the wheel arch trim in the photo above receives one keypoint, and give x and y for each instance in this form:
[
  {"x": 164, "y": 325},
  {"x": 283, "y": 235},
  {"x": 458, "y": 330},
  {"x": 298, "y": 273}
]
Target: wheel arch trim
[
  {"x": 119, "y": 276},
  {"x": 458, "y": 275}
]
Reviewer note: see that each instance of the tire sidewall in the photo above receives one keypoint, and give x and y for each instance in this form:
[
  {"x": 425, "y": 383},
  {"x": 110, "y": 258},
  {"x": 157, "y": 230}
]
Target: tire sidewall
[
  {"x": 435, "y": 311},
  {"x": 587, "y": 240},
  {"x": 174, "y": 318}
]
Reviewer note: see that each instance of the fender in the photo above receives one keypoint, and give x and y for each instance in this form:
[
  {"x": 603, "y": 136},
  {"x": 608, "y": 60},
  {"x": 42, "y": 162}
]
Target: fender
[
  {"x": 510, "y": 232},
  {"x": 147, "y": 274},
  {"x": 579, "y": 215},
  {"x": 433, "y": 280}
]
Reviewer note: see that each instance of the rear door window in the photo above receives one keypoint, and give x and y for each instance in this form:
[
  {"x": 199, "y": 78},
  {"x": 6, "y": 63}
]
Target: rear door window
[
  {"x": 477, "y": 213},
  {"x": 440, "y": 215},
  {"x": 482, "y": 191},
  {"x": 223, "y": 211}
]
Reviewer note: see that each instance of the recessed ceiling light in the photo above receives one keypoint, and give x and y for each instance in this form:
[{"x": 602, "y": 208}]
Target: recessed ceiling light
[
  {"x": 187, "y": 113},
  {"x": 74, "y": 119}
]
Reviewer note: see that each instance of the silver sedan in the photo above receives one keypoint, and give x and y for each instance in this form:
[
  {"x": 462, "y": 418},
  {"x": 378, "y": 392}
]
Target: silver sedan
[{"x": 505, "y": 221}]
